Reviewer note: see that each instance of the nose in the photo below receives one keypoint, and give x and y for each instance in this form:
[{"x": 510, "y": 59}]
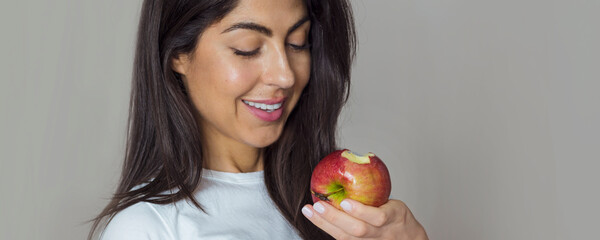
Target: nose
[{"x": 278, "y": 71}]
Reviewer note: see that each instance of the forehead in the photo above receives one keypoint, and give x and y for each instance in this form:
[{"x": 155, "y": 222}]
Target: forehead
[{"x": 278, "y": 15}]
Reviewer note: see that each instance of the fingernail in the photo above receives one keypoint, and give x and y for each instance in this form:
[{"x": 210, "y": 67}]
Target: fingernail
[
  {"x": 319, "y": 207},
  {"x": 307, "y": 212},
  {"x": 346, "y": 206}
]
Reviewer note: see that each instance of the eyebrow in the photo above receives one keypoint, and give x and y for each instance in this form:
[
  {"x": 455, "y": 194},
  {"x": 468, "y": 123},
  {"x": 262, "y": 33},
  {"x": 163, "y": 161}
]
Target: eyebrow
[{"x": 262, "y": 29}]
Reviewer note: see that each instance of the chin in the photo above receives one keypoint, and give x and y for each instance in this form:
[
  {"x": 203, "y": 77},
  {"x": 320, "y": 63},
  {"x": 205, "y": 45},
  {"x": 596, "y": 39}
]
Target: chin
[
  {"x": 264, "y": 142},
  {"x": 260, "y": 144},
  {"x": 264, "y": 139}
]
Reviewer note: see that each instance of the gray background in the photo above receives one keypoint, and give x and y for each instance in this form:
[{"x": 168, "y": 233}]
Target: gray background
[{"x": 486, "y": 113}]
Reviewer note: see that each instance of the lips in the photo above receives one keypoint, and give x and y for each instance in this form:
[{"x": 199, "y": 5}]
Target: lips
[
  {"x": 267, "y": 101},
  {"x": 268, "y": 110}
]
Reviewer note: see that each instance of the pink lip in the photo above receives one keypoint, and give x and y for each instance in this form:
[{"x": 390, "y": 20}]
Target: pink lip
[
  {"x": 264, "y": 115},
  {"x": 267, "y": 101}
]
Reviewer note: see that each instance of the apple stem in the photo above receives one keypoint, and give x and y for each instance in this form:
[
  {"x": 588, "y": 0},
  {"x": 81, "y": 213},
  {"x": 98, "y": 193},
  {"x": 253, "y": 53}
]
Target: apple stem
[{"x": 324, "y": 196}]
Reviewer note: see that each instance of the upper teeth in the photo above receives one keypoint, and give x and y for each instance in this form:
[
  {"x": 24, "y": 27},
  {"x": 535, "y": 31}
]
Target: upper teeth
[{"x": 264, "y": 106}]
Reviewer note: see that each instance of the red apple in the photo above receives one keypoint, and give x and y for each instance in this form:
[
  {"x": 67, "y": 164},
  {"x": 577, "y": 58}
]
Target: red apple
[{"x": 343, "y": 174}]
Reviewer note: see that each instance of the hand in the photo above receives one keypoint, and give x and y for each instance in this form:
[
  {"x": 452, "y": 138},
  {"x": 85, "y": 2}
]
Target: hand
[{"x": 392, "y": 220}]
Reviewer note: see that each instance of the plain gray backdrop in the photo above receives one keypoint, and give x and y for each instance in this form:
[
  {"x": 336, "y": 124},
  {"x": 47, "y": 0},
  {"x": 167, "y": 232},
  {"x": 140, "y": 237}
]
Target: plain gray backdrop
[{"x": 486, "y": 112}]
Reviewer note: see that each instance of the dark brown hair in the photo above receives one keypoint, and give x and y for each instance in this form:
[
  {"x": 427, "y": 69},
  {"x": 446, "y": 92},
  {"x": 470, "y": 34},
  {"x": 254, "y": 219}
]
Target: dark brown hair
[{"x": 164, "y": 141}]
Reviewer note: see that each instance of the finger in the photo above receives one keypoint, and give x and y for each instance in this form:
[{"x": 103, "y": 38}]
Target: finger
[
  {"x": 349, "y": 224},
  {"x": 376, "y": 216},
  {"x": 320, "y": 222}
]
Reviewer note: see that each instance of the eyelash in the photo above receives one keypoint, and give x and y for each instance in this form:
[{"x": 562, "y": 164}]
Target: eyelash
[
  {"x": 255, "y": 51},
  {"x": 246, "y": 54}
]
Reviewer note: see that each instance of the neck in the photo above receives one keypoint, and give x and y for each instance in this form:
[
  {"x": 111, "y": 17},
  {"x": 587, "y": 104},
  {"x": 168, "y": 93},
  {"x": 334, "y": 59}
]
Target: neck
[{"x": 221, "y": 153}]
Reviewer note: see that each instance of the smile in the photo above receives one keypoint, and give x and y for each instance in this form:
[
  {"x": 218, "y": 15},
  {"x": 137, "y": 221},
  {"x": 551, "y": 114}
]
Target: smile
[{"x": 262, "y": 106}]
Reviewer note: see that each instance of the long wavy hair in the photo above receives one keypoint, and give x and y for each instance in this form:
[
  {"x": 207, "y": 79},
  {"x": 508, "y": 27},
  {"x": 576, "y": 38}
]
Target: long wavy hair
[{"x": 164, "y": 141}]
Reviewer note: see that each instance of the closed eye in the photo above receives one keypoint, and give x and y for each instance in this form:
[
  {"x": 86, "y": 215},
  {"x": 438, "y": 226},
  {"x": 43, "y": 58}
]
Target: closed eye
[
  {"x": 299, "y": 48},
  {"x": 246, "y": 53},
  {"x": 249, "y": 54}
]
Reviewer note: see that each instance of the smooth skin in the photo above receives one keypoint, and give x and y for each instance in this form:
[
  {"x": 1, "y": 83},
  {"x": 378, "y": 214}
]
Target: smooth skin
[
  {"x": 231, "y": 64},
  {"x": 221, "y": 72}
]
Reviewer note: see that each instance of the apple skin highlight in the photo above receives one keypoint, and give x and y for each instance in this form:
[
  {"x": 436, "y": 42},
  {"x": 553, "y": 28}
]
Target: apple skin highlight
[{"x": 336, "y": 178}]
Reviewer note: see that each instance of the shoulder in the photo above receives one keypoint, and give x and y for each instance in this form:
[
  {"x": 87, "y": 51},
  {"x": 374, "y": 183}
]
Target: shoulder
[{"x": 137, "y": 222}]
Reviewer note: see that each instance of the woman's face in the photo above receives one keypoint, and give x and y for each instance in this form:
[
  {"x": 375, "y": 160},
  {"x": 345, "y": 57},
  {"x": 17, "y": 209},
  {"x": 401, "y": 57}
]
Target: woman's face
[{"x": 248, "y": 71}]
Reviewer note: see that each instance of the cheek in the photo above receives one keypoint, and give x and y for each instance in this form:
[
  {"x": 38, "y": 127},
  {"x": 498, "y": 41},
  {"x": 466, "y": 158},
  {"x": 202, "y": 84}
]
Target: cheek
[
  {"x": 237, "y": 78},
  {"x": 225, "y": 80},
  {"x": 301, "y": 68},
  {"x": 217, "y": 86}
]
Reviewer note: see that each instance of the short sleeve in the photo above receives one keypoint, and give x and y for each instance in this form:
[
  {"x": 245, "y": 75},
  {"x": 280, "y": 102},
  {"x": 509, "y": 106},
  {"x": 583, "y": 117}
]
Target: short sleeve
[{"x": 137, "y": 222}]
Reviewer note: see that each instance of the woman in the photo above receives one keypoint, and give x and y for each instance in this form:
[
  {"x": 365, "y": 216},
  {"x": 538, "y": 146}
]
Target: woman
[{"x": 233, "y": 103}]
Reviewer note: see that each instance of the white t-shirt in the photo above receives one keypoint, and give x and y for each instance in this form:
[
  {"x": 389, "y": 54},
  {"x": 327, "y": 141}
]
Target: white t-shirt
[{"x": 237, "y": 206}]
